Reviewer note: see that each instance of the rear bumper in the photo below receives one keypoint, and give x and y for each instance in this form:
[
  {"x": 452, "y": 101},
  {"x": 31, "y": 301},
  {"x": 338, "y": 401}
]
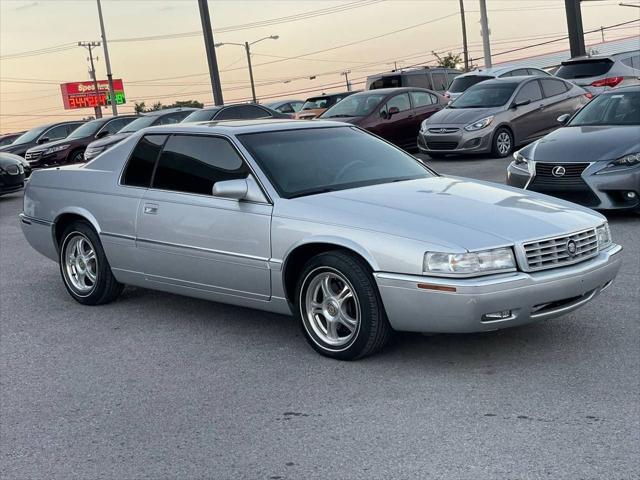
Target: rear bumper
[
  {"x": 39, "y": 234},
  {"x": 529, "y": 296}
]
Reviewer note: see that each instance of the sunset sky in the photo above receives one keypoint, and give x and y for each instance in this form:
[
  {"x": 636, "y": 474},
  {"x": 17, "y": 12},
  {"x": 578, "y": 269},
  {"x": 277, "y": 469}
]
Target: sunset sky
[{"x": 29, "y": 84}]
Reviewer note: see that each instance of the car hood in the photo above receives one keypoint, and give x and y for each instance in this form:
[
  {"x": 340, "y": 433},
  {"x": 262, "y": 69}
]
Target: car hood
[
  {"x": 454, "y": 213},
  {"x": 18, "y": 149},
  {"x": 460, "y": 116},
  {"x": 63, "y": 141},
  {"x": 7, "y": 159},
  {"x": 110, "y": 140},
  {"x": 585, "y": 144}
]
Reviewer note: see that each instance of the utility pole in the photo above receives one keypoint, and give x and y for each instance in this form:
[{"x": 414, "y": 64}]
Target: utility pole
[
  {"x": 112, "y": 93},
  {"x": 484, "y": 23},
  {"x": 89, "y": 46},
  {"x": 465, "y": 49},
  {"x": 214, "y": 74},
  {"x": 346, "y": 76},
  {"x": 574, "y": 27}
]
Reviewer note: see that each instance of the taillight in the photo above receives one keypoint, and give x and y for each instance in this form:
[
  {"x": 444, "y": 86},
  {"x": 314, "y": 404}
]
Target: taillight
[
  {"x": 447, "y": 95},
  {"x": 607, "y": 82},
  {"x": 589, "y": 95}
]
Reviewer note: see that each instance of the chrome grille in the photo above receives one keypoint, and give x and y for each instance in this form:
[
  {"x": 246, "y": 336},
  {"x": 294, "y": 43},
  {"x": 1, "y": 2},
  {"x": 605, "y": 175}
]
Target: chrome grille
[
  {"x": 33, "y": 156},
  {"x": 555, "y": 252},
  {"x": 443, "y": 130}
]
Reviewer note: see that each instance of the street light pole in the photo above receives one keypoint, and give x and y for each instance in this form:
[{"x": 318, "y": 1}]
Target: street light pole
[
  {"x": 253, "y": 87},
  {"x": 465, "y": 48},
  {"x": 112, "y": 93},
  {"x": 247, "y": 48},
  {"x": 484, "y": 22},
  {"x": 209, "y": 46}
]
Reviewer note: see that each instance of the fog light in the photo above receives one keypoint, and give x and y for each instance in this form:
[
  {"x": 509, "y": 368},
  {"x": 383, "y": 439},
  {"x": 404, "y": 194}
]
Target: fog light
[
  {"x": 631, "y": 195},
  {"x": 490, "y": 317}
]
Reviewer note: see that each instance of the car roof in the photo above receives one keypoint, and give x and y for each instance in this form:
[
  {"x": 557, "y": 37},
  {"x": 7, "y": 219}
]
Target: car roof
[
  {"x": 497, "y": 70},
  {"x": 517, "y": 80},
  {"x": 329, "y": 95},
  {"x": 392, "y": 90},
  {"x": 239, "y": 127},
  {"x": 164, "y": 111},
  {"x": 220, "y": 107}
]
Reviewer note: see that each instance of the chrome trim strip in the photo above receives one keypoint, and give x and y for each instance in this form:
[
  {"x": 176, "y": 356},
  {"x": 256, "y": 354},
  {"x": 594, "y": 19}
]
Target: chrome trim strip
[
  {"x": 118, "y": 235},
  {"x": 202, "y": 249},
  {"x": 28, "y": 220}
]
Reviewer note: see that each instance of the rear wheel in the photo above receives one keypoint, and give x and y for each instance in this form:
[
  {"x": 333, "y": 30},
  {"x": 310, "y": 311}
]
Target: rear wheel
[
  {"x": 84, "y": 267},
  {"x": 502, "y": 143},
  {"x": 339, "y": 307},
  {"x": 76, "y": 157}
]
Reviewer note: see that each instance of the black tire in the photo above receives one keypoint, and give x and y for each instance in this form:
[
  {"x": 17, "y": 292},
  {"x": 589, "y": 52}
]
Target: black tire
[
  {"x": 106, "y": 288},
  {"x": 372, "y": 331},
  {"x": 502, "y": 134},
  {"x": 76, "y": 156}
]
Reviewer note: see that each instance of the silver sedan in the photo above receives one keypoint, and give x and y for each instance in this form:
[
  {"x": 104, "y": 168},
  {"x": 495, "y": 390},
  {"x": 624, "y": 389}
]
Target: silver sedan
[{"x": 353, "y": 236}]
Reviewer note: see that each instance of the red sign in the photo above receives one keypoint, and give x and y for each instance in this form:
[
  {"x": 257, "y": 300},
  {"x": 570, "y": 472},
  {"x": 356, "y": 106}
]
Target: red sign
[{"x": 83, "y": 94}]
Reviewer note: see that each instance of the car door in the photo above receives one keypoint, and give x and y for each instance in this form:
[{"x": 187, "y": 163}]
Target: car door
[
  {"x": 528, "y": 119},
  {"x": 558, "y": 101},
  {"x": 396, "y": 127},
  {"x": 54, "y": 133},
  {"x": 190, "y": 239},
  {"x": 423, "y": 104}
]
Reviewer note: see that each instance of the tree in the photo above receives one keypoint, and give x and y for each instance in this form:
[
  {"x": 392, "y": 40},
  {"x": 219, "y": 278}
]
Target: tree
[
  {"x": 141, "y": 107},
  {"x": 449, "y": 60}
]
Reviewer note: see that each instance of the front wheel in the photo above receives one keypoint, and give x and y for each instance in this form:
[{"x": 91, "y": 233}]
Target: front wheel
[
  {"x": 339, "y": 307},
  {"x": 76, "y": 157},
  {"x": 502, "y": 143},
  {"x": 84, "y": 267}
]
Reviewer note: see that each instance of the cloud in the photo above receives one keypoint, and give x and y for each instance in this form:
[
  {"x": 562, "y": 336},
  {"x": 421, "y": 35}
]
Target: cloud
[{"x": 26, "y": 6}]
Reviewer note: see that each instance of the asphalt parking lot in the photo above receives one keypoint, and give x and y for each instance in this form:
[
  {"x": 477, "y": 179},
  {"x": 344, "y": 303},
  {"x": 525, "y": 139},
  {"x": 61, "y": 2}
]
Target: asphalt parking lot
[{"x": 164, "y": 387}]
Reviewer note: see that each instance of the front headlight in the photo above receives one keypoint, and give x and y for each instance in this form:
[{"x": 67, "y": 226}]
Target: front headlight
[
  {"x": 423, "y": 126},
  {"x": 470, "y": 263},
  {"x": 55, "y": 149},
  {"x": 480, "y": 124},
  {"x": 631, "y": 160},
  {"x": 520, "y": 161},
  {"x": 604, "y": 236}
]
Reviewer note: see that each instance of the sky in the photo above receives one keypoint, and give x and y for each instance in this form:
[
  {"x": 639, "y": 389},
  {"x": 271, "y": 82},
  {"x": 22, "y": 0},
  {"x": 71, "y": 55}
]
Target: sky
[{"x": 362, "y": 36}]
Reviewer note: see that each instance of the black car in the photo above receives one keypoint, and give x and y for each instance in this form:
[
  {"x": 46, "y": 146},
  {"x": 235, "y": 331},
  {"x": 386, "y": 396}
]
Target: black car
[
  {"x": 149, "y": 119},
  {"x": 13, "y": 173},
  {"x": 39, "y": 135},
  {"x": 594, "y": 159},
  {"x": 243, "y": 111},
  {"x": 71, "y": 149}
]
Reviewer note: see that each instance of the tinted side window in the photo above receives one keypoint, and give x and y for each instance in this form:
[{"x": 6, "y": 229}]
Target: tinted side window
[
  {"x": 520, "y": 72},
  {"x": 416, "y": 80},
  {"x": 529, "y": 91},
  {"x": 71, "y": 127},
  {"x": 114, "y": 125},
  {"x": 552, "y": 87},
  {"x": 440, "y": 82},
  {"x": 139, "y": 169},
  {"x": 421, "y": 99},
  {"x": 176, "y": 117},
  {"x": 633, "y": 61},
  {"x": 286, "y": 108},
  {"x": 56, "y": 133},
  {"x": 535, "y": 71},
  {"x": 192, "y": 164},
  {"x": 296, "y": 106}
]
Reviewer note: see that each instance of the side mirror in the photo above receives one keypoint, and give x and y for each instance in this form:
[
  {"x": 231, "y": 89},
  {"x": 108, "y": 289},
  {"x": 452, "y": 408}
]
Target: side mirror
[
  {"x": 393, "y": 111},
  {"x": 563, "y": 119},
  {"x": 242, "y": 189},
  {"x": 102, "y": 134},
  {"x": 521, "y": 103},
  {"x": 42, "y": 140}
]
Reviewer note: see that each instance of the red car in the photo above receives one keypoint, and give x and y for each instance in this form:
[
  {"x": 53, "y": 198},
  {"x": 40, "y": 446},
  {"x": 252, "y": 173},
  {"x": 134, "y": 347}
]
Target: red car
[{"x": 394, "y": 114}]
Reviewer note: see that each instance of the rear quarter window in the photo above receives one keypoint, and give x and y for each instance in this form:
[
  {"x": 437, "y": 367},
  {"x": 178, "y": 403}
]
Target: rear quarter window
[{"x": 142, "y": 161}]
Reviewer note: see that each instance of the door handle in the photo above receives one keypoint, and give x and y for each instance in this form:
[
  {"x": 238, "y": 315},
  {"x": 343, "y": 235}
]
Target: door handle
[
  {"x": 150, "y": 208},
  {"x": 541, "y": 107}
]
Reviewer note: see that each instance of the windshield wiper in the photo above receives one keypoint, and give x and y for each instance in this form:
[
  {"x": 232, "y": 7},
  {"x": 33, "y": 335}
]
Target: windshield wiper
[{"x": 317, "y": 191}]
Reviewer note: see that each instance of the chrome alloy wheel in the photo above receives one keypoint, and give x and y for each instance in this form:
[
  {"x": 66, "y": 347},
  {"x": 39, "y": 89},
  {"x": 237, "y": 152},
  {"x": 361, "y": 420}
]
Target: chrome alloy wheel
[
  {"x": 80, "y": 263},
  {"x": 503, "y": 143},
  {"x": 331, "y": 308}
]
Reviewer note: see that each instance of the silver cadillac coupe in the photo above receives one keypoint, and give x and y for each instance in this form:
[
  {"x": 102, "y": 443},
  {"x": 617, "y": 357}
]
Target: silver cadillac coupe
[{"x": 322, "y": 219}]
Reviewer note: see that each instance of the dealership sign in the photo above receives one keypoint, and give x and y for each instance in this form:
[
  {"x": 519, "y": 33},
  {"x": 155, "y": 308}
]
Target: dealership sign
[{"x": 83, "y": 94}]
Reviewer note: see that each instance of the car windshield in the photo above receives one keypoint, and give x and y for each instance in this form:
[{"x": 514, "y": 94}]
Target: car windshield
[
  {"x": 485, "y": 95},
  {"x": 139, "y": 123},
  {"x": 354, "y": 106},
  {"x": 621, "y": 108},
  {"x": 30, "y": 135},
  {"x": 460, "y": 84},
  {"x": 317, "y": 160},
  {"x": 203, "y": 115},
  {"x": 86, "y": 130},
  {"x": 584, "y": 69},
  {"x": 313, "y": 103}
]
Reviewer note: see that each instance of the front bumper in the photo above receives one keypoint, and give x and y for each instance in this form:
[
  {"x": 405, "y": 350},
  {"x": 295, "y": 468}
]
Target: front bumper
[
  {"x": 606, "y": 191},
  {"x": 529, "y": 296},
  {"x": 455, "y": 142}
]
